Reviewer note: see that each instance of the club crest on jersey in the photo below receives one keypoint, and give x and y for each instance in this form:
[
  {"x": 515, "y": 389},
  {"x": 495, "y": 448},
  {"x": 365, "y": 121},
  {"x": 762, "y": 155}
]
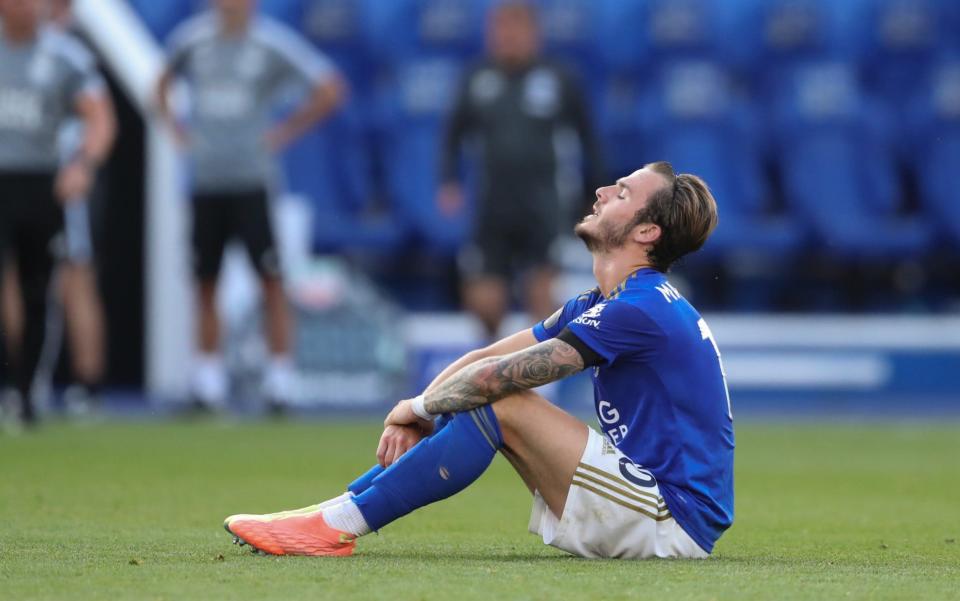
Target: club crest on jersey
[{"x": 591, "y": 316}]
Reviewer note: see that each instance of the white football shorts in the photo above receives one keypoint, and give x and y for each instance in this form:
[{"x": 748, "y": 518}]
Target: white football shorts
[{"x": 613, "y": 509}]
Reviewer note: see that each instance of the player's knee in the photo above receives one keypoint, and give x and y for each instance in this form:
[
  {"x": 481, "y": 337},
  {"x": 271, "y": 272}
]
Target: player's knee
[{"x": 511, "y": 409}]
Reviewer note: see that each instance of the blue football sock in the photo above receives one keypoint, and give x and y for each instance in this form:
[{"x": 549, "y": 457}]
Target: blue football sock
[
  {"x": 438, "y": 467},
  {"x": 363, "y": 482}
]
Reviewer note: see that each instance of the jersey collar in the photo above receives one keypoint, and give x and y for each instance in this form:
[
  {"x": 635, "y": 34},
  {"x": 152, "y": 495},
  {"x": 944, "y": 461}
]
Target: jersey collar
[{"x": 623, "y": 285}]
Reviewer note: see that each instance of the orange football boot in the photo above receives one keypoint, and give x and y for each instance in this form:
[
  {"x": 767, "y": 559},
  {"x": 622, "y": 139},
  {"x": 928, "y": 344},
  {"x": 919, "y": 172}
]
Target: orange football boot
[{"x": 290, "y": 533}]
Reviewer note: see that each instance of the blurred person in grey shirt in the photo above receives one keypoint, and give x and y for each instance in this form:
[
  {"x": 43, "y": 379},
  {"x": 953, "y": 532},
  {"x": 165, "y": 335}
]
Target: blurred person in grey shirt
[
  {"x": 46, "y": 78},
  {"x": 235, "y": 62}
]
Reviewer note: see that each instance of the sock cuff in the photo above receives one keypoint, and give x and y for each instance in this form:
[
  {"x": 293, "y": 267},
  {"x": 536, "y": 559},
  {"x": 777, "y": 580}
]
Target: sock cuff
[
  {"x": 362, "y": 483},
  {"x": 488, "y": 424}
]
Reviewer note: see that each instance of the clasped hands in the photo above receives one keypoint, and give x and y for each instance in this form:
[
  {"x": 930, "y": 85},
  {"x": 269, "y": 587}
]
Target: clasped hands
[{"x": 402, "y": 429}]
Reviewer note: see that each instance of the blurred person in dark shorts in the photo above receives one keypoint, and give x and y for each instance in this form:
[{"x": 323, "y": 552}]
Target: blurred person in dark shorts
[
  {"x": 235, "y": 62},
  {"x": 46, "y": 78},
  {"x": 513, "y": 105},
  {"x": 82, "y": 305}
]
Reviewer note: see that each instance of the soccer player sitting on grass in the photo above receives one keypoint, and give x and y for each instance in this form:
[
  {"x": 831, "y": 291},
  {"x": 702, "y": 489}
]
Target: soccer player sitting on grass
[{"x": 657, "y": 483}]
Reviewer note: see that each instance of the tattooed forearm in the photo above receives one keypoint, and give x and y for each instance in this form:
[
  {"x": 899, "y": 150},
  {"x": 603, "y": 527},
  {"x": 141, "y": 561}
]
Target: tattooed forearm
[{"x": 494, "y": 378}]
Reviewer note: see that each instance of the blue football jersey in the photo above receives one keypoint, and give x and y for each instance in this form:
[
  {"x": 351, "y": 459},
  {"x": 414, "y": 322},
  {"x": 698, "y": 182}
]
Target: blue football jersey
[{"x": 660, "y": 394}]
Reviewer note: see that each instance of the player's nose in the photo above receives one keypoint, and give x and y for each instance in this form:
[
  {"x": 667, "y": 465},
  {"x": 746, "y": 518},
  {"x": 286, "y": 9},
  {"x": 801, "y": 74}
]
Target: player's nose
[{"x": 602, "y": 194}]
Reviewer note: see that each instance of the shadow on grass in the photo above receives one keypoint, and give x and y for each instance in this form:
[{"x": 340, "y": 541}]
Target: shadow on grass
[{"x": 471, "y": 555}]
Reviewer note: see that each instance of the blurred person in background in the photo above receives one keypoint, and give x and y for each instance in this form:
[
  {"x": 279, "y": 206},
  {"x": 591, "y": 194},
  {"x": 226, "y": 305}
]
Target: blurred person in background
[
  {"x": 83, "y": 309},
  {"x": 46, "y": 78},
  {"x": 513, "y": 104},
  {"x": 235, "y": 62}
]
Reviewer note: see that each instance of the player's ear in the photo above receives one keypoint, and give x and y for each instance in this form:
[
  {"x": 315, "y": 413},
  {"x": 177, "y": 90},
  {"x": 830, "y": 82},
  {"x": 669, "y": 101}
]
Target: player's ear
[{"x": 646, "y": 233}]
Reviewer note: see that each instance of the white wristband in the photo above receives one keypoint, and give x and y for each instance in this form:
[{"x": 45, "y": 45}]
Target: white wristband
[{"x": 420, "y": 410}]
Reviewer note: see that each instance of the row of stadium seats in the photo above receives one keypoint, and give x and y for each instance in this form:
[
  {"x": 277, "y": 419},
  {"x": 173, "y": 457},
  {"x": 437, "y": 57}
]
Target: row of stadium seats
[{"x": 804, "y": 115}]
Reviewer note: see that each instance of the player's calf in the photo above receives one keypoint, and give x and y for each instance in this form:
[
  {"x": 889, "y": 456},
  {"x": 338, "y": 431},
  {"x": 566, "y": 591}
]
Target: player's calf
[{"x": 435, "y": 469}]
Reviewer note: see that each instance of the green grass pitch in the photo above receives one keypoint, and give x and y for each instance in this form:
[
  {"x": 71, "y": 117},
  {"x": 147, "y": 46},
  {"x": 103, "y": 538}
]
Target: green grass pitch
[{"x": 133, "y": 511}]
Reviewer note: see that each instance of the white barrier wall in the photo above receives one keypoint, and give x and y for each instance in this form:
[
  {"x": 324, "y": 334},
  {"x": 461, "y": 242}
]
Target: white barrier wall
[
  {"x": 136, "y": 59},
  {"x": 775, "y": 356}
]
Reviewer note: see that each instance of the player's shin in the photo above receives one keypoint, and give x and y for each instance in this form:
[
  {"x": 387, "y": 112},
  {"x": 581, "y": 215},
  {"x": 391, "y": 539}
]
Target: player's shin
[
  {"x": 363, "y": 482},
  {"x": 438, "y": 467}
]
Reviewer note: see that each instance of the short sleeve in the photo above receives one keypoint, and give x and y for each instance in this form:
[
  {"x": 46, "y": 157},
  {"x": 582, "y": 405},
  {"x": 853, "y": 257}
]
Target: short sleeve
[
  {"x": 81, "y": 75},
  {"x": 177, "y": 58},
  {"x": 553, "y": 325},
  {"x": 295, "y": 58},
  {"x": 617, "y": 329},
  {"x": 178, "y": 47}
]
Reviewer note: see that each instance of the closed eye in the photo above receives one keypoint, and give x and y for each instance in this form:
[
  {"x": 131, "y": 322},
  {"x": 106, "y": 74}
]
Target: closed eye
[{"x": 622, "y": 194}]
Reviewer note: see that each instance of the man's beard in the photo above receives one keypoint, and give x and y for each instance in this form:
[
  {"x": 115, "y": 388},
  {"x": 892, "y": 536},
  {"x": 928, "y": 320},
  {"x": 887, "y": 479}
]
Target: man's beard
[{"x": 608, "y": 238}]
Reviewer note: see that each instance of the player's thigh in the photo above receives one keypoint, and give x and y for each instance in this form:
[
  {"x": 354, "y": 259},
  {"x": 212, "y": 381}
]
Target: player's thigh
[
  {"x": 543, "y": 442},
  {"x": 209, "y": 235},
  {"x": 254, "y": 227},
  {"x": 614, "y": 509}
]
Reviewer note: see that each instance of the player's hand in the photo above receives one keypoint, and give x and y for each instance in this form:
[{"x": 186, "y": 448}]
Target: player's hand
[
  {"x": 73, "y": 181},
  {"x": 395, "y": 441},
  {"x": 402, "y": 415},
  {"x": 450, "y": 199}
]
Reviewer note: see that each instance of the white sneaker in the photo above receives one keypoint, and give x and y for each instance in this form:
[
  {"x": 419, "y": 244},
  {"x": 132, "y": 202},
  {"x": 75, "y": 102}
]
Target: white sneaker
[
  {"x": 279, "y": 382},
  {"x": 209, "y": 385}
]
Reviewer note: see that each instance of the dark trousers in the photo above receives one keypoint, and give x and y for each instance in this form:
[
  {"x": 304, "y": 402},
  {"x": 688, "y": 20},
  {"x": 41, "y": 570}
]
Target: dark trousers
[{"x": 31, "y": 225}]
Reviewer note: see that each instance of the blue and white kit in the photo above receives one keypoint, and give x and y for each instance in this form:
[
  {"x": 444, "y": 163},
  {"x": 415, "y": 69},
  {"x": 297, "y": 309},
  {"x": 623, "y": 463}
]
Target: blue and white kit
[{"x": 662, "y": 403}]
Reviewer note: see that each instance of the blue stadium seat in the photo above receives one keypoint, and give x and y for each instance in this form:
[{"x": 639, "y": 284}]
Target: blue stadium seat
[
  {"x": 951, "y": 15},
  {"x": 413, "y": 111},
  {"x": 838, "y": 167},
  {"x": 779, "y": 36},
  {"x": 343, "y": 30},
  {"x": 677, "y": 29},
  {"x": 288, "y": 12},
  {"x": 424, "y": 46},
  {"x": 404, "y": 29},
  {"x": 571, "y": 34},
  {"x": 936, "y": 147},
  {"x": 899, "y": 40},
  {"x": 162, "y": 17},
  {"x": 331, "y": 167},
  {"x": 694, "y": 120},
  {"x": 617, "y": 78},
  {"x": 622, "y": 42}
]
